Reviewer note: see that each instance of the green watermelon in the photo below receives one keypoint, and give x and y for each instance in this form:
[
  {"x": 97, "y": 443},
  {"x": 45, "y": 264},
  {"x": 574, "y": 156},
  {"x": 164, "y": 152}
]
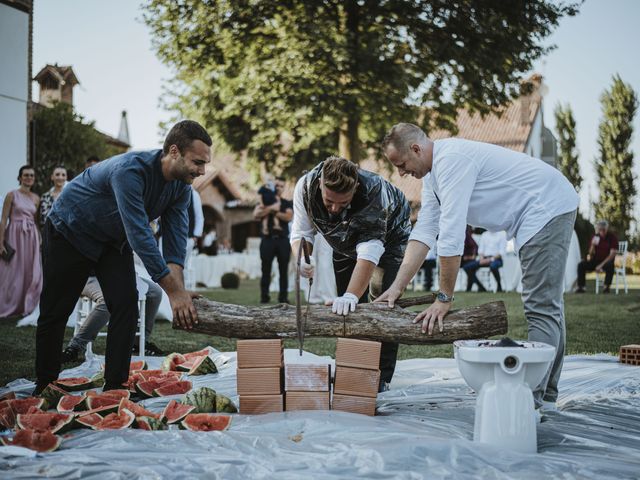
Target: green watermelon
[
  {"x": 176, "y": 411},
  {"x": 203, "y": 398},
  {"x": 224, "y": 404},
  {"x": 174, "y": 388},
  {"x": 52, "y": 422},
  {"x": 52, "y": 395},
  {"x": 149, "y": 423},
  {"x": 70, "y": 403},
  {"x": 74, "y": 384},
  {"x": 39, "y": 441},
  {"x": 200, "y": 366},
  {"x": 206, "y": 422},
  {"x": 137, "y": 410}
]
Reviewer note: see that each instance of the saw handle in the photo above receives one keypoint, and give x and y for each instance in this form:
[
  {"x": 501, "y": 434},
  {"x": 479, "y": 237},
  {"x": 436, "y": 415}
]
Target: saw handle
[{"x": 305, "y": 251}]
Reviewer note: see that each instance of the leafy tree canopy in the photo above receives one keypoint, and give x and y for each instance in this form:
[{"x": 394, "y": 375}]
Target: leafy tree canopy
[
  {"x": 293, "y": 80},
  {"x": 566, "y": 130}
]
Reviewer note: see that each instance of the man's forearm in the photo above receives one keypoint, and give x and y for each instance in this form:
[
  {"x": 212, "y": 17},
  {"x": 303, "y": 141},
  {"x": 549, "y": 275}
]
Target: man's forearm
[
  {"x": 448, "y": 273},
  {"x": 414, "y": 256},
  {"x": 174, "y": 282},
  {"x": 361, "y": 277}
]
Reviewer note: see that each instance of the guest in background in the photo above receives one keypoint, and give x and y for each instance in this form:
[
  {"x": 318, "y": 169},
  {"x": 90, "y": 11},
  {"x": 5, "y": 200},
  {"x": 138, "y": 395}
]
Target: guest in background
[
  {"x": 196, "y": 225},
  {"x": 428, "y": 266},
  {"x": 21, "y": 275},
  {"x": 601, "y": 257},
  {"x": 493, "y": 246},
  {"x": 209, "y": 243},
  {"x": 59, "y": 180},
  {"x": 468, "y": 261},
  {"x": 91, "y": 161}
]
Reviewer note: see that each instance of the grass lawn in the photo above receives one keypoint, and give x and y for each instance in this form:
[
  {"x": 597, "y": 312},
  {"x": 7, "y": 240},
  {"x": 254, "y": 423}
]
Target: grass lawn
[{"x": 595, "y": 323}]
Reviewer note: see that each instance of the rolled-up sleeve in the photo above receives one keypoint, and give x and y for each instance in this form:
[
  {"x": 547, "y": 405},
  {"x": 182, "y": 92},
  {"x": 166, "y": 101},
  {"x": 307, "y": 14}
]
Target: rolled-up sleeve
[
  {"x": 371, "y": 250},
  {"x": 175, "y": 228},
  {"x": 128, "y": 188},
  {"x": 301, "y": 226},
  {"x": 455, "y": 177},
  {"x": 426, "y": 227}
]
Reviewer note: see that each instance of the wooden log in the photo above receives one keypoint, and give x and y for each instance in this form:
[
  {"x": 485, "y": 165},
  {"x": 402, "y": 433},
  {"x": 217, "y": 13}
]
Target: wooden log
[{"x": 369, "y": 321}]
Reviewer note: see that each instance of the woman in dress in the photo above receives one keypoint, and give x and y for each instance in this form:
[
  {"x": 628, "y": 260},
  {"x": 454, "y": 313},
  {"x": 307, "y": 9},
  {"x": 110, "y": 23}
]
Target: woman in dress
[
  {"x": 59, "y": 179},
  {"x": 21, "y": 276}
]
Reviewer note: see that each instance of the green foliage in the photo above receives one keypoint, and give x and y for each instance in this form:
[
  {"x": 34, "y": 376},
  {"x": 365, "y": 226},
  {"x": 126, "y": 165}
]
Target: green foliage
[
  {"x": 62, "y": 137},
  {"x": 566, "y": 130},
  {"x": 614, "y": 166},
  {"x": 293, "y": 81}
]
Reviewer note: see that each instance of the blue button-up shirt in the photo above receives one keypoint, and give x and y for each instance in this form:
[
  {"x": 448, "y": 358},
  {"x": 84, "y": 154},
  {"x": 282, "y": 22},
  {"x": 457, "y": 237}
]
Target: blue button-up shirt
[{"x": 111, "y": 204}]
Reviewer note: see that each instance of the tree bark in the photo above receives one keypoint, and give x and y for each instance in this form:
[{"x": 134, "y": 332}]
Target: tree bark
[{"x": 369, "y": 321}]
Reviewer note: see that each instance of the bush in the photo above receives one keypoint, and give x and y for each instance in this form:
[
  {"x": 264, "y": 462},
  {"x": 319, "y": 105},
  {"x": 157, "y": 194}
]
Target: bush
[{"x": 230, "y": 280}]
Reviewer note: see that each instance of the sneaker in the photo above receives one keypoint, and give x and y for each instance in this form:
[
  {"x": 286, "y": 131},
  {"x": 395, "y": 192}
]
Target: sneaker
[{"x": 70, "y": 354}]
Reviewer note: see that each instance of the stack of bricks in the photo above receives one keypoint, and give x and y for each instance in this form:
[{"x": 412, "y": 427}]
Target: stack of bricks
[
  {"x": 307, "y": 386},
  {"x": 630, "y": 354},
  {"x": 260, "y": 376},
  {"x": 357, "y": 376}
]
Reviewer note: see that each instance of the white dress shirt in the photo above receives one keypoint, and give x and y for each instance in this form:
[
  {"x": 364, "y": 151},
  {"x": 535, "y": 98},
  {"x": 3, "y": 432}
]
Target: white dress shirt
[{"x": 487, "y": 186}]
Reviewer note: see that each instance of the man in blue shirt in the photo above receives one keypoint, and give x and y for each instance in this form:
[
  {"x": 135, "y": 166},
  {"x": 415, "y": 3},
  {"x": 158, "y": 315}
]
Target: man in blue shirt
[{"x": 99, "y": 218}]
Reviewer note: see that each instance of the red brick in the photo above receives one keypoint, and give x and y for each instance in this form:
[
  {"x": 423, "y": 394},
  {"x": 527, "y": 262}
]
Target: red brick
[
  {"x": 353, "y": 404},
  {"x": 307, "y": 401},
  {"x": 259, "y": 381},
  {"x": 256, "y": 404},
  {"x": 358, "y": 353},
  {"x": 307, "y": 377},
  {"x": 259, "y": 353},
  {"x": 356, "y": 381}
]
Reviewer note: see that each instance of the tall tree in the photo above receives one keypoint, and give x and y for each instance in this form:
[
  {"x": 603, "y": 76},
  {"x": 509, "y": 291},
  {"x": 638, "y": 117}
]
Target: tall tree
[
  {"x": 290, "y": 80},
  {"x": 566, "y": 130},
  {"x": 614, "y": 166},
  {"x": 63, "y": 138}
]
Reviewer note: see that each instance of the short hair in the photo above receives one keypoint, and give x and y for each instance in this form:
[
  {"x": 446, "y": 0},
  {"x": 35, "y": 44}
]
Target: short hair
[
  {"x": 182, "y": 135},
  {"x": 281, "y": 178},
  {"x": 339, "y": 174},
  {"x": 402, "y": 136},
  {"x": 23, "y": 168},
  {"x": 57, "y": 167},
  {"x": 92, "y": 158},
  {"x": 602, "y": 223}
]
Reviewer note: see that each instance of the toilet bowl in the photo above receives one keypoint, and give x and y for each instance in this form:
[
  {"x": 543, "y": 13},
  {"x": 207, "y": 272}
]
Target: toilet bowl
[{"x": 503, "y": 378}]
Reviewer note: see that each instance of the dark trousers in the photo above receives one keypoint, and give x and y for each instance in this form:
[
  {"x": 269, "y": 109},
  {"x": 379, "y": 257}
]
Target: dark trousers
[
  {"x": 470, "y": 267},
  {"x": 270, "y": 248},
  {"x": 589, "y": 266},
  {"x": 428, "y": 267},
  {"x": 343, "y": 268},
  {"x": 65, "y": 272}
]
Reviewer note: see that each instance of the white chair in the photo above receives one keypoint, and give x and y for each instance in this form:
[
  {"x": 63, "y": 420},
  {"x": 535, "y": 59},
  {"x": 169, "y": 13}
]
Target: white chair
[
  {"x": 618, "y": 271},
  {"x": 487, "y": 279},
  {"x": 85, "y": 306}
]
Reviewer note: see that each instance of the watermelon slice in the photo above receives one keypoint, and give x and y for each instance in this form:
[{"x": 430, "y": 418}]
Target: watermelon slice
[
  {"x": 52, "y": 395},
  {"x": 224, "y": 404},
  {"x": 74, "y": 384},
  {"x": 7, "y": 418},
  {"x": 175, "y": 388},
  {"x": 88, "y": 421},
  {"x": 202, "y": 366},
  {"x": 102, "y": 411},
  {"x": 116, "y": 421},
  {"x": 149, "y": 423},
  {"x": 103, "y": 401},
  {"x": 115, "y": 394},
  {"x": 22, "y": 405},
  {"x": 137, "y": 410},
  {"x": 199, "y": 353},
  {"x": 171, "y": 361},
  {"x": 70, "y": 403},
  {"x": 206, "y": 422},
  {"x": 137, "y": 365},
  {"x": 146, "y": 388},
  {"x": 42, "y": 422},
  {"x": 39, "y": 441},
  {"x": 176, "y": 411}
]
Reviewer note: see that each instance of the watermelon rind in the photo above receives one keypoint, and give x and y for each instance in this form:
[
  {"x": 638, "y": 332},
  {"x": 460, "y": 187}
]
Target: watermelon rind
[
  {"x": 72, "y": 403},
  {"x": 52, "y": 395},
  {"x": 175, "y": 412},
  {"x": 137, "y": 410},
  {"x": 225, "y": 405},
  {"x": 203, "y": 398},
  {"x": 22, "y": 405},
  {"x": 7, "y": 418},
  {"x": 42, "y": 442},
  {"x": 87, "y": 421},
  {"x": 199, "y": 353},
  {"x": 97, "y": 381},
  {"x": 125, "y": 419},
  {"x": 203, "y": 366},
  {"x": 74, "y": 384},
  {"x": 52, "y": 422},
  {"x": 137, "y": 365},
  {"x": 174, "y": 388},
  {"x": 206, "y": 422},
  {"x": 171, "y": 360},
  {"x": 149, "y": 423}
]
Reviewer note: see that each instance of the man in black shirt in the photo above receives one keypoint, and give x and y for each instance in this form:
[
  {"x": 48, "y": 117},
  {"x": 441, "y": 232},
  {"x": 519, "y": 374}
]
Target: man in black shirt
[{"x": 274, "y": 217}]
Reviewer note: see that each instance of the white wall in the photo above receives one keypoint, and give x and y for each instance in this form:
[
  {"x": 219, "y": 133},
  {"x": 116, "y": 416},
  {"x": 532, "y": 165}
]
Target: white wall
[
  {"x": 14, "y": 81},
  {"x": 534, "y": 143}
]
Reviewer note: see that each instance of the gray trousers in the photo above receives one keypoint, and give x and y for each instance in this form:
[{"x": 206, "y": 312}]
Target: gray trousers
[
  {"x": 99, "y": 316},
  {"x": 543, "y": 260}
]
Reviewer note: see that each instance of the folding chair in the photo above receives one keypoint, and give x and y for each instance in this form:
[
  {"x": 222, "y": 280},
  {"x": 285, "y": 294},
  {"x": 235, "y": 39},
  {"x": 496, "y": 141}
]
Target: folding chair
[{"x": 618, "y": 270}]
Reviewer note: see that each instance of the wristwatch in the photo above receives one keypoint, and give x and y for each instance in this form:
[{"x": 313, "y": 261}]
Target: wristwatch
[{"x": 444, "y": 298}]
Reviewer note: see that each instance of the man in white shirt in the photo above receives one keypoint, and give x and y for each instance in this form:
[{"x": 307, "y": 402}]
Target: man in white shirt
[
  {"x": 366, "y": 222},
  {"x": 493, "y": 246},
  {"x": 497, "y": 189}
]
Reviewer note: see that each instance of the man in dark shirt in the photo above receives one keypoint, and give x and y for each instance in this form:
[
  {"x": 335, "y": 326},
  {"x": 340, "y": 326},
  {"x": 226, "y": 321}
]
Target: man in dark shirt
[
  {"x": 601, "y": 257},
  {"x": 98, "y": 219},
  {"x": 274, "y": 213}
]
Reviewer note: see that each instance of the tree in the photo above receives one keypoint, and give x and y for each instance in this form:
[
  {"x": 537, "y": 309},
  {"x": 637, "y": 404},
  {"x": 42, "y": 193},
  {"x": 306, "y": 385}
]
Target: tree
[
  {"x": 62, "y": 137},
  {"x": 614, "y": 166},
  {"x": 566, "y": 129},
  {"x": 290, "y": 81}
]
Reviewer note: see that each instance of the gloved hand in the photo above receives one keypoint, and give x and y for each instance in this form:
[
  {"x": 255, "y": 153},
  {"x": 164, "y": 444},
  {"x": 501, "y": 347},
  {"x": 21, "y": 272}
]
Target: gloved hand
[
  {"x": 307, "y": 269},
  {"x": 344, "y": 304}
]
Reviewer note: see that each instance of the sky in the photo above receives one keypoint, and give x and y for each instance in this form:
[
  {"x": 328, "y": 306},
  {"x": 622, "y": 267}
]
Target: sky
[{"x": 110, "y": 50}]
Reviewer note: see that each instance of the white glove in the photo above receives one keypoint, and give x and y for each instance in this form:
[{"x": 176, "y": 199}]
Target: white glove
[
  {"x": 307, "y": 269},
  {"x": 344, "y": 304}
]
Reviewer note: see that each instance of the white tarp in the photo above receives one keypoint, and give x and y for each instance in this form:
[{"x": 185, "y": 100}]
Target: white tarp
[{"x": 423, "y": 430}]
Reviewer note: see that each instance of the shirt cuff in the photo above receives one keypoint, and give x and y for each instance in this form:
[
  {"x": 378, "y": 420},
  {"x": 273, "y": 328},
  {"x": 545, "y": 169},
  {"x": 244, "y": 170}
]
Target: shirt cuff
[
  {"x": 428, "y": 240},
  {"x": 371, "y": 251}
]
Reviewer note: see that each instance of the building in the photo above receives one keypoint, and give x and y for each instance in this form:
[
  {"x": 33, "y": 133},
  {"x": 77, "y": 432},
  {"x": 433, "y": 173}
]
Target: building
[{"x": 16, "y": 24}]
